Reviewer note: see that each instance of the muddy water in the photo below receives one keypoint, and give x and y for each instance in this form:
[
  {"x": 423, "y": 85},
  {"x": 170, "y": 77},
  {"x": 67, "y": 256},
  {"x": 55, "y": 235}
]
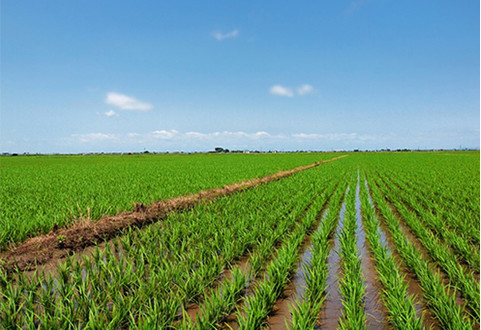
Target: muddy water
[
  {"x": 426, "y": 256},
  {"x": 414, "y": 287},
  {"x": 193, "y": 310},
  {"x": 375, "y": 310},
  {"x": 332, "y": 307},
  {"x": 297, "y": 286}
]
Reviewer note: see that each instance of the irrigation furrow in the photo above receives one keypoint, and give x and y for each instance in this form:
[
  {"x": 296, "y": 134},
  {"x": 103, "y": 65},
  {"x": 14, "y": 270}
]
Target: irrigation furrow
[
  {"x": 404, "y": 274},
  {"x": 295, "y": 290},
  {"x": 281, "y": 314},
  {"x": 375, "y": 310},
  {"x": 332, "y": 307},
  {"x": 305, "y": 312},
  {"x": 258, "y": 306}
]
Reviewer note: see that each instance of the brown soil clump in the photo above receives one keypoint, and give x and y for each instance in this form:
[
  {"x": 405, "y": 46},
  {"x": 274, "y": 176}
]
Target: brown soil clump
[{"x": 60, "y": 243}]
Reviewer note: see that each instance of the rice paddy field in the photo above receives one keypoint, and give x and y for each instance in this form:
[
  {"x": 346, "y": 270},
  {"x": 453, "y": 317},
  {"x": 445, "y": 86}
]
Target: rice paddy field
[{"x": 334, "y": 241}]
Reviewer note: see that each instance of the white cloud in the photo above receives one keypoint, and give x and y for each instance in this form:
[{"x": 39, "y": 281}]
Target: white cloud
[
  {"x": 226, "y": 134},
  {"x": 110, "y": 113},
  {"x": 125, "y": 102},
  {"x": 222, "y": 36},
  {"x": 173, "y": 140},
  {"x": 305, "y": 89},
  {"x": 165, "y": 135},
  {"x": 335, "y": 136},
  {"x": 281, "y": 90}
]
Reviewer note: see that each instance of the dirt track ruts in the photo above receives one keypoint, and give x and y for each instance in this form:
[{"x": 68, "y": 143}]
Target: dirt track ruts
[{"x": 60, "y": 243}]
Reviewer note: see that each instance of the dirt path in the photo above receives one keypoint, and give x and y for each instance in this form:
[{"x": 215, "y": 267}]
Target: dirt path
[{"x": 49, "y": 248}]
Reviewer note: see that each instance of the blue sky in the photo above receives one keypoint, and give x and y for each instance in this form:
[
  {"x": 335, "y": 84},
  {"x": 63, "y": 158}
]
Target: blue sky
[{"x": 92, "y": 76}]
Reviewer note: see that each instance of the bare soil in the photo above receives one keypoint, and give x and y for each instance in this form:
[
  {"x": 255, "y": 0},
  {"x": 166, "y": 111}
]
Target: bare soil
[{"x": 59, "y": 243}]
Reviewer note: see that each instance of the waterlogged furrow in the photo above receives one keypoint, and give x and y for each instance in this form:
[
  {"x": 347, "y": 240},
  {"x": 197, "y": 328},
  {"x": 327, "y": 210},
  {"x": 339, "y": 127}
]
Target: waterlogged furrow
[
  {"x": 352, "y": 286},
  {"x": 332, "y": 306},
  {"x": 442, "y": 304},
  {"x": 400, "y": 305},
  {"x": 305, "y": 312},
  {"x": 374, "y": 308},
  {"x": 280, "y": 315}
]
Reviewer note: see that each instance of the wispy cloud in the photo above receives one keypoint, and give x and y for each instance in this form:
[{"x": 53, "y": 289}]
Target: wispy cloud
[
  {"x": 228, "y": 134},
  {"x": 305, "y": 89},
  {"x": 172, "y": 140},
  {"x": 165, "y": 135},
  {"x": 222, "y": 36},
  {"x": 94, "y": 137},
  {"x": 125, "y": 102},
  {"x": 281, "y": 91},
  {"x": 111, "y": 113},
  {"x": 335, "y": 136},
  {"x": 289, "y": 92}
]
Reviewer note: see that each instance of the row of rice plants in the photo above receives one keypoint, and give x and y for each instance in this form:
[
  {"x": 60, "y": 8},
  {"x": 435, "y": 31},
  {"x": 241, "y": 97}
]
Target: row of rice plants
[
  {"x": 400, "y": 305},
  {"x": 220, "y": 303},
  {"x": 443, "y": 256},
  {"x": 442, "y": 303},
  {"x": 146, "y": 276},
  {"x": 278, "y": 273},
  {"x": 459, "y": 216},
  {"x": 456, "y": 220},
  {"x": 305, "y": 312},
  {"x": 449, "y": 186},
  {"x": 351, "y": 283},
  {"x": 409, "y": 197},
  {"x": 38, "y": 193}
]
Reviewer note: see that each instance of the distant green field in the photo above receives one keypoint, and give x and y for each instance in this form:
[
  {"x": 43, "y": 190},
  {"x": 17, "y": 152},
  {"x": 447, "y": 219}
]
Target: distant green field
[{"x": 40, "y": 191}]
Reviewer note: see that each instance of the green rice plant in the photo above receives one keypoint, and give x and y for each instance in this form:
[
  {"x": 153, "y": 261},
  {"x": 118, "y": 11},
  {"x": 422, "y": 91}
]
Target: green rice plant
[
  {"x": 163, "y": 267},
  {"x": 437, "y": 225},
  {"x": 351, "y": 284},
  {"x": 305, "y": 312},
  {"x": 444, "y": 306},
  {"x": 448, "y": 186},
  {"x": 278, "y": 273},
  {"x": 40, "y": 192},
  {"x": 443, "y": 257},
  {"x": 400, "y": 305},
  {"x": 258, "y": 306}
]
